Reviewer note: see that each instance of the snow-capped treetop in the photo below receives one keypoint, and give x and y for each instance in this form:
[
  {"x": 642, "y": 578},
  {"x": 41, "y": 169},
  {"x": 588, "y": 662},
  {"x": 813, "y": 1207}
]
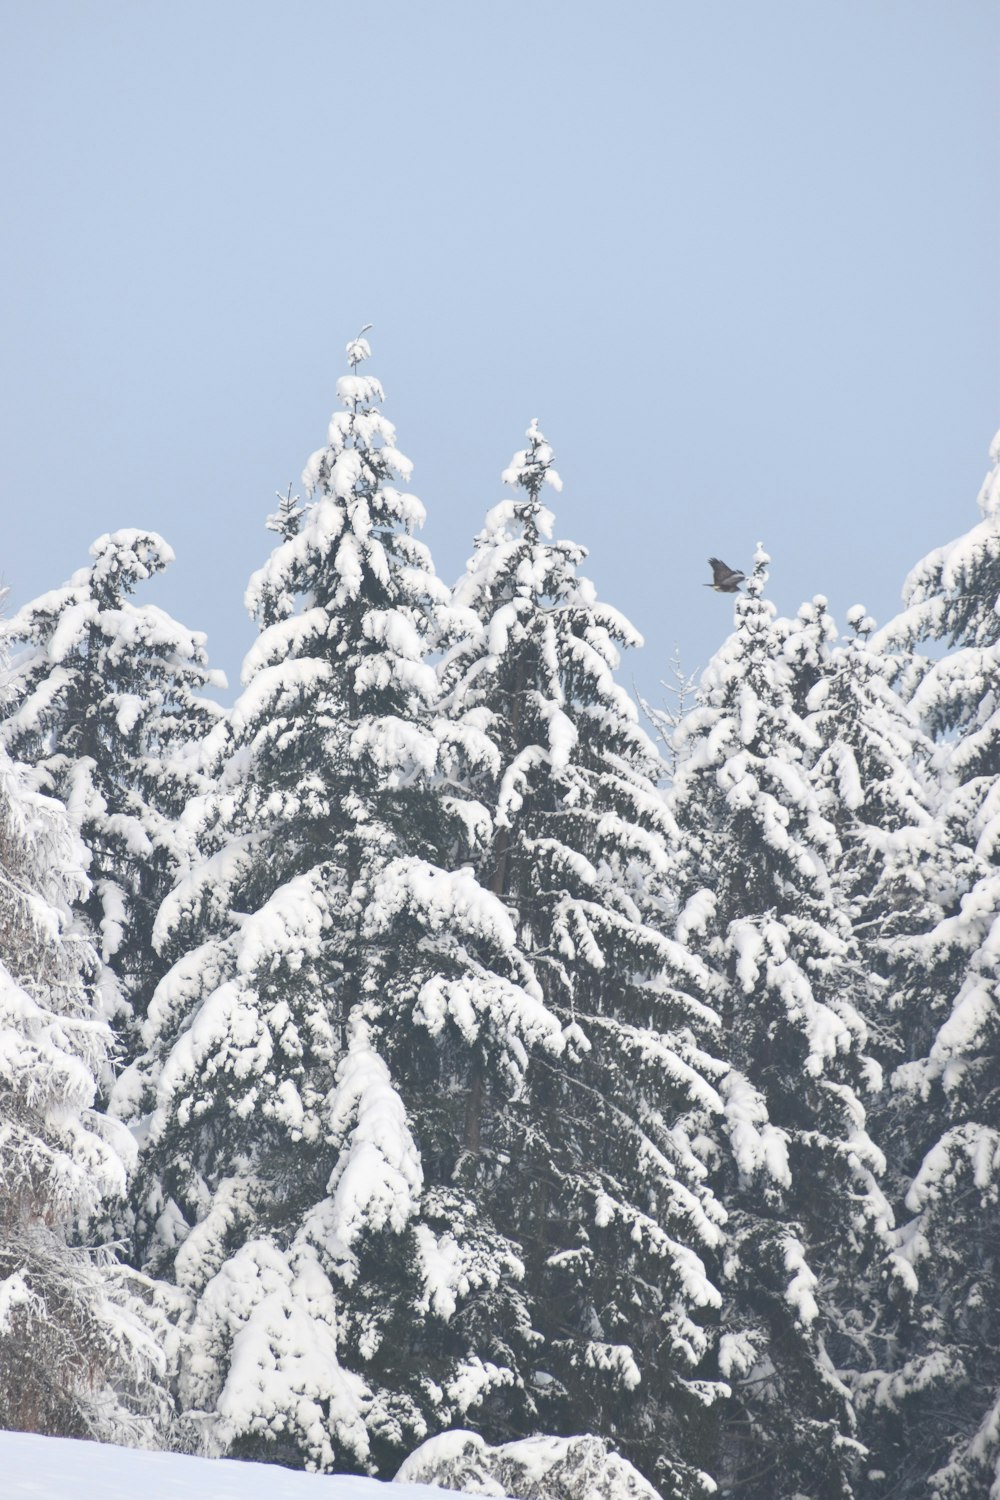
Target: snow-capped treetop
[
  {"x": 531, "y": 467},
  {"x": 106, "y": 701},
  {"x": 87, "y": 641},
  {"x": 519, "y": 579},
  {"x": 359, "y": 348},
  {"x": 121, "y": 560},
  {"x": 902, "y": 869},
  {"x": 761, "y": 562},
  {"x": 360, "y": 453},
  {"x": 860, "y": 622},
  {"x": 355, "y": 538},
  {"x": 952, "y": 593},
  {"x": 751, "y": 639},
  {"x": 288, "y": 517},
  {"x": 875, "y": 756},
  {"x": 805, "y": 645},
  {"x": 339, "y": 679},
  {"x": 748, "y": 743}
]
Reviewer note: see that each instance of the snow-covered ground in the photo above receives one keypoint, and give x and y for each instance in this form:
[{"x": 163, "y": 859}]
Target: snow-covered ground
[{"x": 44, "y": 1468}]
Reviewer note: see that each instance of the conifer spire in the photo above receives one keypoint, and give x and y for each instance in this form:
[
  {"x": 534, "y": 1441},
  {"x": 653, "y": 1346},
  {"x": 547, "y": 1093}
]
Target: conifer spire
[
  {"x": 605, "y": 1191},
  {"x": 796, "y": 1167}
]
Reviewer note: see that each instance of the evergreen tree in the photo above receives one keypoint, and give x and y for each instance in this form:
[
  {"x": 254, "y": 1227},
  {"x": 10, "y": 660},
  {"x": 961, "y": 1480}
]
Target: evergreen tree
[
  {"x": 900, "y": 870},
  {"x": 946, "y": 1392},
  {"x": 602, "y": 1184},
  {"x": 899, "y": 874},
  {"x": 338, "y": 992},
  {"x": 104, "y": 701},
  {"x": 796, "y": 1168},
  {"x": 77, "y": 1350}
]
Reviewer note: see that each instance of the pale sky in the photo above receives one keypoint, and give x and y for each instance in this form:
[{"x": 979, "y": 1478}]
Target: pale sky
[{"x": 741, "y": 258}]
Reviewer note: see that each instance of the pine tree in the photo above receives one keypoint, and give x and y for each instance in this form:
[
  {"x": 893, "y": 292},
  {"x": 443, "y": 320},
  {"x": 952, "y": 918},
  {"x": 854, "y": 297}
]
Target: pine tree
[
  {"x": 338, "y": 993},
  {"x": 78, "y": 1356},
  {"x": 900, "y": 870},
  {"x": 945, "y": 1393},
  {"x": 602, "y": 1183},
  {"x": 899, "y": 874},
  {"x": 796, "y": 1170},
  {"x": 104, "y": 701}
]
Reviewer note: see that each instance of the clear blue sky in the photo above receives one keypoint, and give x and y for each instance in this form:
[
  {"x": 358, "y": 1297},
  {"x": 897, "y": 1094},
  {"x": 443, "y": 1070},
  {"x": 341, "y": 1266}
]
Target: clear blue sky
[{"x": 742, "y": 260}]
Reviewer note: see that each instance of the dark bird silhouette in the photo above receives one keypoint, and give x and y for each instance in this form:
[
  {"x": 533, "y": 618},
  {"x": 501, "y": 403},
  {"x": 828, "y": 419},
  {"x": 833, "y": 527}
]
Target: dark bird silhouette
[{"x": 725, "y": 580}]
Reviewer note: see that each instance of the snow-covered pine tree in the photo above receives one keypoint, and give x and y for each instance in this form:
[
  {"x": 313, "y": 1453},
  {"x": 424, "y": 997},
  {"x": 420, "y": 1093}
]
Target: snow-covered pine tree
[
  {"x": 796, "y": 1169},
  {"x": 900, "y": 869},
  {"x": 535, "y": 1468},
  {"x": 599, "y": 1177},
  {"x": 105, "y": 702},
  {"x": 899, "y": 874},
  {"x": 946, "y": 1391},
  {"x": 805, "y": 644},
  {"x": 78, "y": 1355},
  {"x": 339, "y": 992}
]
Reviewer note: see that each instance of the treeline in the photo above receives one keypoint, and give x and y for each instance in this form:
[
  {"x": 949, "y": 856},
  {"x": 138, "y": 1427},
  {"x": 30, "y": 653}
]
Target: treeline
[{"x": 430, "y": 1041}]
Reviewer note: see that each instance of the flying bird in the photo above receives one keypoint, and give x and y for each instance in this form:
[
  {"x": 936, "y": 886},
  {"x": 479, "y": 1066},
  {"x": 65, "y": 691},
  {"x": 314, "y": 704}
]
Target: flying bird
[{"x": 725, "y": 580}]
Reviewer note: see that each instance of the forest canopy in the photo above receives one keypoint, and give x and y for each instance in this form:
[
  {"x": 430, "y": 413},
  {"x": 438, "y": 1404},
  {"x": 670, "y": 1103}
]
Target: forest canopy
[{"x": 438, "y": 1049}]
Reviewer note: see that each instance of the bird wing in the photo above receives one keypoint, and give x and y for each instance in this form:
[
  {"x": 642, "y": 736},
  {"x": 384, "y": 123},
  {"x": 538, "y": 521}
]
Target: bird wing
[{"x": 723, "y": 573}]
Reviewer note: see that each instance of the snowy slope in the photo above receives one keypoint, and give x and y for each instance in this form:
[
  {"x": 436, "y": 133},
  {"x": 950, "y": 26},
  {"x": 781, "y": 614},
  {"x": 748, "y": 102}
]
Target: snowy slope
[{"x": 43, "y": 1468}]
